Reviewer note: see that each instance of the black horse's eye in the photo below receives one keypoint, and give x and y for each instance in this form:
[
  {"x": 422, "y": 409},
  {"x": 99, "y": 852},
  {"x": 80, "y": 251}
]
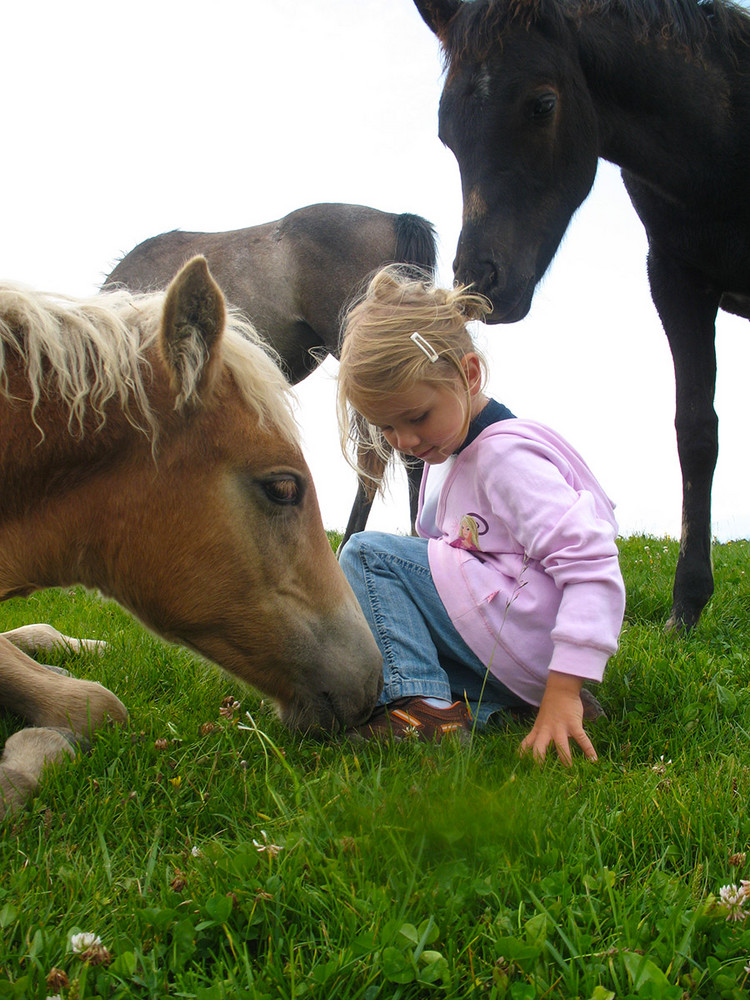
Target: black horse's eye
[
  {"x": 283, "y": 490},
  {"x": 543, "y": 105}
]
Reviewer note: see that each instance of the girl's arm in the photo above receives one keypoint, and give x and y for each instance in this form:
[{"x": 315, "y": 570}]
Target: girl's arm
[
  {"x": 574, "y": 541},
  {"x": 560, "y": 717}
]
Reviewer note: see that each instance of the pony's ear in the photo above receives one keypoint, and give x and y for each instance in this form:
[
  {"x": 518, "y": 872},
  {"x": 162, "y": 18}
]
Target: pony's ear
[
  {"x": 438, "y": 13},
  {"x": 191, "y": 328}
]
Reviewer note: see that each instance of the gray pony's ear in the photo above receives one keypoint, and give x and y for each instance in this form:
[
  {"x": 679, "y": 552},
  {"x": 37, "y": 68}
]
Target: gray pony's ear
[
  {"x": 192, "y": 326},
  {"x": 437, "y": 14}
]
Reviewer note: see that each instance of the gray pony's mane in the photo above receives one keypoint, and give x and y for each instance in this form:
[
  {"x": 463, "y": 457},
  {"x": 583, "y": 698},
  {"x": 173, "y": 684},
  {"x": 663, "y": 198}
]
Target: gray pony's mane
[{"x": 89, "y": 352}]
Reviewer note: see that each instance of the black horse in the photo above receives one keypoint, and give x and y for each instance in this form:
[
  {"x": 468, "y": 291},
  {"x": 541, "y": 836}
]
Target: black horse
[
  {"x": 293, "y": 278},
  {"x": 536, "y": 91}
]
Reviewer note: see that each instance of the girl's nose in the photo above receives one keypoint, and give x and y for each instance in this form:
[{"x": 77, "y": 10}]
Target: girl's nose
[{"x": 402, "y": 439}]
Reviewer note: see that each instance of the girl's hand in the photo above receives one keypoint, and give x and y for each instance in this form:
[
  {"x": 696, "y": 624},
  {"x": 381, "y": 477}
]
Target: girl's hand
[{"x": 560, "y": 717}]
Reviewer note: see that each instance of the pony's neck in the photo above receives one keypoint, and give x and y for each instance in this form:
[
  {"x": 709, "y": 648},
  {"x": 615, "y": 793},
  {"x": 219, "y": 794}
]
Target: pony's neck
[{"x": 663, "y": 115}]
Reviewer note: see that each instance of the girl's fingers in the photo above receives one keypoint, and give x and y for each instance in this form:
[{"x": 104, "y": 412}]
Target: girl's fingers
[
  {"x": 563, "y": 752},
  {"x": 587, "y": 746},
  {"x": 538, "y": 746}
]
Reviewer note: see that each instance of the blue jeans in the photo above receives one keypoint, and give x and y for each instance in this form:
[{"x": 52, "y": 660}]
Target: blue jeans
[{"x": 423, "y": 654}]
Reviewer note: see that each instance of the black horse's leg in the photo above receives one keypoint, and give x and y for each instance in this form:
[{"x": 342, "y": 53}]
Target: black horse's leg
[
  {"x": 365, "y": 497},
  {"x": 414, "y": 469},
  {"x": 371, "y": 470},
  {"x": 688, "y": 308},
  {"x": 361, "y": 508}
]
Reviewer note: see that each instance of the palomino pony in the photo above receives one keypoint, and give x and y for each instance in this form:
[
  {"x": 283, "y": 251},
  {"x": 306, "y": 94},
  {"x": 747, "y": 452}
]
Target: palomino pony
[
  {"x": 293, "y": 278},
  {"x": 536, "y": 91},
  {"x": 148, "y": 449}
]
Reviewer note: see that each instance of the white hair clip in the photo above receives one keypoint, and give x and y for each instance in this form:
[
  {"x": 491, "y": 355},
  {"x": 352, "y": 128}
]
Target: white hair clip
[{"x": 426, "y": 346}]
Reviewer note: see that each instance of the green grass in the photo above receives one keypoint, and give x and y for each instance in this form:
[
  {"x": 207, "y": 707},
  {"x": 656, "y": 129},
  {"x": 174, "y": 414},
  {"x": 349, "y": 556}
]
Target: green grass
[{"x": 404, "y": 872}]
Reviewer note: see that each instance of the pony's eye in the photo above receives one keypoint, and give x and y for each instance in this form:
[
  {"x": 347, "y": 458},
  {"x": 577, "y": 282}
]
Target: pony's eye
[
  {"x": 283, "y": 490},
  {"x": 543, "y": 106}
]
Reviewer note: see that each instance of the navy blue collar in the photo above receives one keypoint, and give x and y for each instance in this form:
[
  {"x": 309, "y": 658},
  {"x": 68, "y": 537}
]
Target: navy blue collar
[{"x": 488, "y": 415}]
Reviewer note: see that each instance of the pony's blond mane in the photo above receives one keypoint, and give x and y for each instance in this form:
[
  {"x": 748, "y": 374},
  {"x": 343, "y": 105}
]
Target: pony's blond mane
[{"x": 89, "y": 352}]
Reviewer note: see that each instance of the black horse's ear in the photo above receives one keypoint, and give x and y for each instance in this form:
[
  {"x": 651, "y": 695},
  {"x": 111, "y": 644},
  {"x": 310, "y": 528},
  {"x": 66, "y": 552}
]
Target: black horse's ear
[{"x": 437, "y": 14}]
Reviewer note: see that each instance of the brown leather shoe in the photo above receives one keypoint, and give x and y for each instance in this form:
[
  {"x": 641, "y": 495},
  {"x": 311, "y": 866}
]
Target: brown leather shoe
[{"x": 412, "y": 719}]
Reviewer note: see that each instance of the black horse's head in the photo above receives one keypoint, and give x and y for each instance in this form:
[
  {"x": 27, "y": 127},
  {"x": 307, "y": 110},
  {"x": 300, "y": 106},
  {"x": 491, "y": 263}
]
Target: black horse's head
[{"x": 517, "y": 114}]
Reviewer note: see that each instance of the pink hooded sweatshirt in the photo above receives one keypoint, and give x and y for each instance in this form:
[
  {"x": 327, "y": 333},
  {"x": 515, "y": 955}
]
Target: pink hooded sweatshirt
[{"x": 522, "y": 552}]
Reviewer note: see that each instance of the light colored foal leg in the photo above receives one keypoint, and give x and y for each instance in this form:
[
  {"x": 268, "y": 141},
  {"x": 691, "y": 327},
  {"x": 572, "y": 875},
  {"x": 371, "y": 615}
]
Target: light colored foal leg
[
  {"x": 24, "y": 756},
  {"x": 45, "y": 638},
  {"x": 53, "y": 700}
]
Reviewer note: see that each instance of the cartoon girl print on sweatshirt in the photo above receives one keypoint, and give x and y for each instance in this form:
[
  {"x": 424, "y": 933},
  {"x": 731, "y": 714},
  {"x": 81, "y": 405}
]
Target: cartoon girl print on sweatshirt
[{"x": 469, "y": 532}]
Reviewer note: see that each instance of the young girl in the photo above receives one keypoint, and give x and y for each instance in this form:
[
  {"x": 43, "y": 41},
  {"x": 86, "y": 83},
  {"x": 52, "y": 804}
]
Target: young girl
[{"x": 512, "y": 596}]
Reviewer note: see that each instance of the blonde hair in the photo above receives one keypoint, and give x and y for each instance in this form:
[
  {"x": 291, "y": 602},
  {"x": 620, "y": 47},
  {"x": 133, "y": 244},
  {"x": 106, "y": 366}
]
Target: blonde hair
[{"x": 380, "y": 358}]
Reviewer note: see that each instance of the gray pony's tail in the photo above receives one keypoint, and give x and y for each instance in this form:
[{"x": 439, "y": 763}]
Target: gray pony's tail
[{"x": 416, "y": 244}]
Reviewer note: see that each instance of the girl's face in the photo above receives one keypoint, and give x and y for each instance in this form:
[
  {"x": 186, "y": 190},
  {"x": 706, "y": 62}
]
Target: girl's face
[{"x": 429, "y": 421}]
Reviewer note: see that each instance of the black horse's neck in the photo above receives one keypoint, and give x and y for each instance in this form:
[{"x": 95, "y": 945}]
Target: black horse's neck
[
  {"x": 665, "y": 90},
  {"x": 664, "y": 114}
]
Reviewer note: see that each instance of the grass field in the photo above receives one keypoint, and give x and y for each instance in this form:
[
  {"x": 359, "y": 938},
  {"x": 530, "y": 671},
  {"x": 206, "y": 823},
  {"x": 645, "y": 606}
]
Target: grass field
[{"x": 217, "y": 856}]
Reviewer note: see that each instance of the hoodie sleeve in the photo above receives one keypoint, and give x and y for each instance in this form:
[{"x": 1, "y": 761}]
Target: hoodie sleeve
[{"x": 570, "y": 532}]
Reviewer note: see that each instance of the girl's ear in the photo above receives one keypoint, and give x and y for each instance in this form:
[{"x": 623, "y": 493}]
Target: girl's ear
[{"x": 472, "y": 369}]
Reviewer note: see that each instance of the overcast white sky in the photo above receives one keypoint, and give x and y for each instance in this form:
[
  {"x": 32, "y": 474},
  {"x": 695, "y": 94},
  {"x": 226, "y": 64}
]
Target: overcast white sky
[{"x": 125, "y": 120}]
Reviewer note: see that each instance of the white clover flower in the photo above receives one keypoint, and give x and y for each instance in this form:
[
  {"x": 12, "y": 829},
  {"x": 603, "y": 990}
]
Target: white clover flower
[
  {"x": 661, "y": 767},
  {"x": 83, "y": 941},
  {"x": 195, "y": 851},
  {"x": 734, "y": 899},
  {"x": 229, "y": 708},
  {"x": 271, "y": 849}
]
